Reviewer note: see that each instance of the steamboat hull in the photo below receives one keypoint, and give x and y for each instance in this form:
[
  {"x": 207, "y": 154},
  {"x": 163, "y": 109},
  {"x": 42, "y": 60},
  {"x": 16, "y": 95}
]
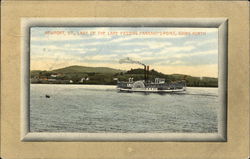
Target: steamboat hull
[
  {"x": 152, "y": 91},
  {"x": 141, "y": 86}
]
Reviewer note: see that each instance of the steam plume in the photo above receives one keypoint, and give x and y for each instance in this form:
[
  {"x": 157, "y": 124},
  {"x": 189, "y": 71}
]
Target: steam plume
[{"x": 128, "y": 60}]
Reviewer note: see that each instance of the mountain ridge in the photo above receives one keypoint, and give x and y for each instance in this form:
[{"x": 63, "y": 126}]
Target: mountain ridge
[
  {"x": 105, "y": 75},
  {"x": 77, "y": 68}
]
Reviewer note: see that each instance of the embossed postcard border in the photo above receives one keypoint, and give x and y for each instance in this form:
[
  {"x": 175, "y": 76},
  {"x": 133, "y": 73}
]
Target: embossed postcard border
[{"x": 220, "y": 23}]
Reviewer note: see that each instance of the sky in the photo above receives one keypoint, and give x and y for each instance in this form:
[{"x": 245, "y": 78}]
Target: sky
[{"x": 190, "y": 51}]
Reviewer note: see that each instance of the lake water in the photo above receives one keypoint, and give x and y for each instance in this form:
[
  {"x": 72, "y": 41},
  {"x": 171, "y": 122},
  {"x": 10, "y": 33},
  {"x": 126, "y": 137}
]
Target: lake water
[{"x": 99, "y": 108}]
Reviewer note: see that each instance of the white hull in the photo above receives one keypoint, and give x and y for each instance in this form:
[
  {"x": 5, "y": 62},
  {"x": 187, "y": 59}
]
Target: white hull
[{"x": 152, "y": 90}]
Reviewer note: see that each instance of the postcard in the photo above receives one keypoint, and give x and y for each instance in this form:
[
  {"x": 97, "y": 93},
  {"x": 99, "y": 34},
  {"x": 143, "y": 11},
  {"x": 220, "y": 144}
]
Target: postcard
[
  {"x": 147, "y": 82},
  {"x": 124, "y": 79}
]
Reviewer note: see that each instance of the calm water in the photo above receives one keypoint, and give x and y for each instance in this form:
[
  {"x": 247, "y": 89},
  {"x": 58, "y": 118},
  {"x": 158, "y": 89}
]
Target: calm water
[{"x": 94, "y": 108}]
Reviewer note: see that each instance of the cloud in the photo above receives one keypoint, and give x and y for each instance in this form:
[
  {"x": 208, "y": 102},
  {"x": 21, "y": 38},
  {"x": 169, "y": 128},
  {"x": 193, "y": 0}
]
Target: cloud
[
  {"x": 195, "y": 53},
  {"x": 201, "y": 42},
  {"x": 53, "y": 49},
  {"x": 100, "y": 57},
  {"x": 157, "y": 51}
]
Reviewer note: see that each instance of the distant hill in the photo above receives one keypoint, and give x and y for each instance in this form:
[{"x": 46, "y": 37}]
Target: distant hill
[
  {"x": 84, "y": 69},
  {"x": 190, "y": 80},
  {"x": 106, "y": 75}
]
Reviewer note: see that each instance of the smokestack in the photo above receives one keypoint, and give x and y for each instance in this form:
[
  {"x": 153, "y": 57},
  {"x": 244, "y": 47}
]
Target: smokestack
[
  {"x": 147, "y": 72},
  {"x": 129, "y": 60}
]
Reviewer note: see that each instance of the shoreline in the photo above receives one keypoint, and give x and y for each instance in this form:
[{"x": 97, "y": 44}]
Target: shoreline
[{"x": 105, "y": 84}]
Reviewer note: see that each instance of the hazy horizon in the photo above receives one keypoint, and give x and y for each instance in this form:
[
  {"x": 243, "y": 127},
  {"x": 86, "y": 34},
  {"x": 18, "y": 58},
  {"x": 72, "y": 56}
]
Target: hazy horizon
[{"x": 122, "y": 70}]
